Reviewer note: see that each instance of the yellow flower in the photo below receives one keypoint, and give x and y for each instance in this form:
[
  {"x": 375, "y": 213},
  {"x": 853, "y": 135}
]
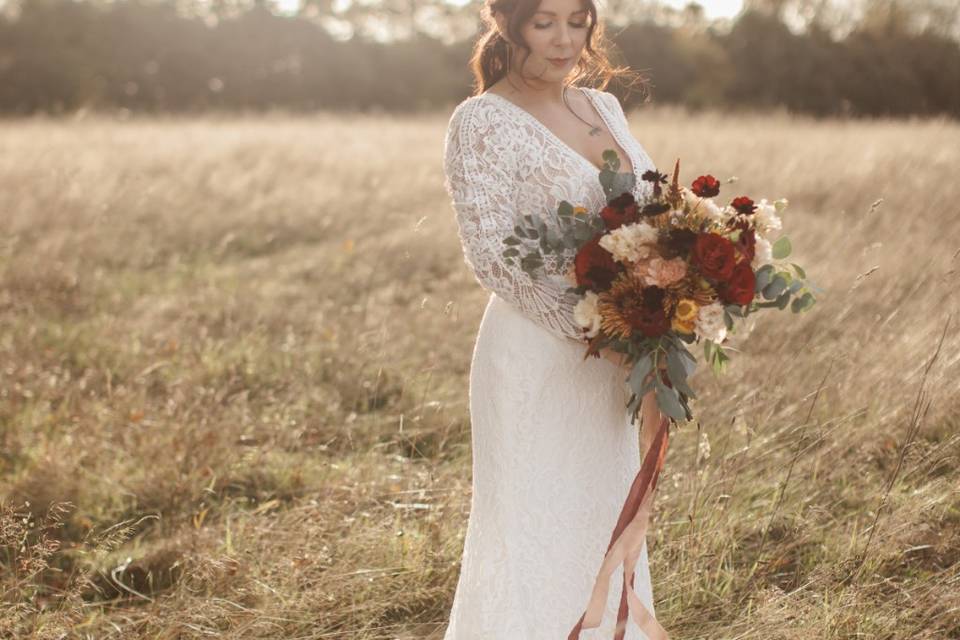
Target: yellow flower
[
  {"x": 579, "y": 211},
  {"x": 687, "y": 310},
  {"x": 685, "y": 316},
  {"x": 681, "y": 326}
]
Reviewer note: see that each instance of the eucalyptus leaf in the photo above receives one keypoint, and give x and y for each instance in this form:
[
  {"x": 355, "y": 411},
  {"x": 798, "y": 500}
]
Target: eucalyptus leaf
[
  {"x": 775, "y": 288},
  {"x": 641, "y": 368},
  {"x": 764, "y": 274},
  {"x": 783, "y": 300},
  {"x": 531, "y": 262},
  {"x": 668, "y": 402},
  {"x": 611, "y": 159},
  {"x": 800, "y": 271},
  {"x": 781, "y": 248},
  {"x": 678, "y": 372},
  {"x": 734, "y": 310}
]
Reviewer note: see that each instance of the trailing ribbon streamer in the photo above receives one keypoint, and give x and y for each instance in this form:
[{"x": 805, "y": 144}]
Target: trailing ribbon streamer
[{"x": 625, "y": 546}]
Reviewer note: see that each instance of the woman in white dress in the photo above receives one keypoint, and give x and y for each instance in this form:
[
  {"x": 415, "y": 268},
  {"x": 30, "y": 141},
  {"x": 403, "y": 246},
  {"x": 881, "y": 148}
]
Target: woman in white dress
[{"x": 554, "y": 452}]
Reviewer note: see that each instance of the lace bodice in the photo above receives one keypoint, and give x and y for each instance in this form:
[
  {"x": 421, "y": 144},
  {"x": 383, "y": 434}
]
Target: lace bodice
[{"x": 501, "y": 162}]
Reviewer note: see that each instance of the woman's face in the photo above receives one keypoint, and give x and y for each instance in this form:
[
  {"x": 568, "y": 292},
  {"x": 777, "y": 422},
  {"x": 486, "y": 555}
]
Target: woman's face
[{"x": 556, "y": 35}]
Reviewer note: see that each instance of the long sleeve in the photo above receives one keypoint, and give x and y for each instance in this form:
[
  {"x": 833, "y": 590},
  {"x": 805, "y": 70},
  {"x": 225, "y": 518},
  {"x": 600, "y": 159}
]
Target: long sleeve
[{"x": 480, "y": 164}]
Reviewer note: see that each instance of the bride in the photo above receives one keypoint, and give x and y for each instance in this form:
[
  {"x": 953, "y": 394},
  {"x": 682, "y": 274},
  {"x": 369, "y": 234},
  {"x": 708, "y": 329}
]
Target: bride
[{"x": 554, "y": 452}]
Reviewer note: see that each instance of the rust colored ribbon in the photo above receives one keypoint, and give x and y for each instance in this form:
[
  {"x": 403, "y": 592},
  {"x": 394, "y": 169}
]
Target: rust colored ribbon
[{"x": 625, "y": 546}]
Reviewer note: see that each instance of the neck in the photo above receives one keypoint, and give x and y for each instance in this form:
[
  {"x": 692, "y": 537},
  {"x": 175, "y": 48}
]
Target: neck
[{"x": 536, "y": 90}]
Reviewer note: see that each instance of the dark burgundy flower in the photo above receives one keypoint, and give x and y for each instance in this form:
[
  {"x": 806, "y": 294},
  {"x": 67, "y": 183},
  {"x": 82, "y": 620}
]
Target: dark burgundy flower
[
  {"x": 706, "y": 186},
  {"x": 714, "y": 255},
  {"x": 739, "y": 288},
  {"x": 743, "y": 205},
  {"x": 657, "y": 178},
  {"x": 594, "y": 266},
  {"x": 654, "y": 209},
  {"x": 621, "y": 210},
  {"x": 678, "y": 242},
  {"x": 649, "y": 317},
  {"x": 654, "y": 176}
]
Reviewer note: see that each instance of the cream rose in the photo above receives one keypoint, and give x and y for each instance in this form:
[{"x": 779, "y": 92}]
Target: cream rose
[
  {"x": 630, "y": 242},
  {"x": 710, "y": 324},
  {"x": 586, "y": 315}
]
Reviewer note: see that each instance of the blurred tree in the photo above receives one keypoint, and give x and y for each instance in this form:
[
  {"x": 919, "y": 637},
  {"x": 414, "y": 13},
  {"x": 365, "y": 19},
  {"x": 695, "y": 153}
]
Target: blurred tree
[{"x": 59, "y": 55}]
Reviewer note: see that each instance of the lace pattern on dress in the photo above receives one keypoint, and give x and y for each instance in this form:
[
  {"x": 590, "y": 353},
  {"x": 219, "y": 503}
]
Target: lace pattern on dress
[{"x": 500, "y": 162}]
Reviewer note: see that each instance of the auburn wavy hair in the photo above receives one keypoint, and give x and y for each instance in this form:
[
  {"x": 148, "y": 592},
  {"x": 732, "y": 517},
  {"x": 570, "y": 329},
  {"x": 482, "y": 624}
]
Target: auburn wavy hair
[{"x": 491, "y": 57}]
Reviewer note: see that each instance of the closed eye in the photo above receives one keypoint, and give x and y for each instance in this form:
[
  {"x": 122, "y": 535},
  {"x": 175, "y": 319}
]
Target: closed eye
[{"x": 577, "y": 25}]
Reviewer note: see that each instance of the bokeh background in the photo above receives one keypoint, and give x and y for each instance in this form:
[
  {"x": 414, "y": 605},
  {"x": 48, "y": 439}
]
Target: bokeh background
[
  {"x": 822, "y": 57},
  {"x": 236, "y": 325}
]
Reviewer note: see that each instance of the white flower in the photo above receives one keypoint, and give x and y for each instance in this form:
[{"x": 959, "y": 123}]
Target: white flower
[
  {"x": 762, "y": 253},
  {"x": 705, "y": 207},
  {"x": 765, "y": 218},
  {"x": 710, "y": 324},
  {"x": 630, "y": 242},
  {"x": 586, "y": 315}
]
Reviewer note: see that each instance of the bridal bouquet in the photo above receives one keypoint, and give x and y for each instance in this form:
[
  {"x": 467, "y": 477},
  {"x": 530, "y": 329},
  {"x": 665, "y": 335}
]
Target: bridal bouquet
[
  {"x": 651, "y": 279},
  {"x": 648, "y": 281}
]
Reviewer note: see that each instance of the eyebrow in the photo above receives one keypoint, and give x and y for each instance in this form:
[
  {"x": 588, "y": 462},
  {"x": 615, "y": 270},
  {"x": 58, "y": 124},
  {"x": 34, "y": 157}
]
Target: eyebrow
[{"x": 551, "y": 13}]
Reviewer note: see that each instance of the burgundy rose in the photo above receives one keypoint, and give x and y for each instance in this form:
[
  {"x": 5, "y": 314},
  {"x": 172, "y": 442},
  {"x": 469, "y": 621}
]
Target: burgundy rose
[
  {"x": 594, "y": 266},
  {"x": 714, "y": 255},
  {"x": 621, "y": 210},
  {"x": 743, "y": 205},
  {"x": 739, "y": 288},
  {"x": 706, "y": 186}
]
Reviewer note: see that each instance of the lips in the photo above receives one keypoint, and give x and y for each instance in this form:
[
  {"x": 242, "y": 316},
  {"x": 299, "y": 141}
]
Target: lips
[{"x": 559, "y": 61}]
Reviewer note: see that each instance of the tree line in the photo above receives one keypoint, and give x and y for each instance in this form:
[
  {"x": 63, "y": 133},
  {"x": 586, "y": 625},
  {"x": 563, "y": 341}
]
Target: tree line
[{"x": 58, "y": 56}]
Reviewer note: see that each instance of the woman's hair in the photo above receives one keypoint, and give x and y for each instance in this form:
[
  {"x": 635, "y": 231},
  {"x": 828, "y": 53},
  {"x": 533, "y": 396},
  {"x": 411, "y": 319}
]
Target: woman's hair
[{"x": 491, "y": 52}]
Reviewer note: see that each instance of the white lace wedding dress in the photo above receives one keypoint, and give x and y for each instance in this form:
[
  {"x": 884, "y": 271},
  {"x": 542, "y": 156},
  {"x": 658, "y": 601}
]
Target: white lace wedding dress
[{"x": 554, "y": 452}]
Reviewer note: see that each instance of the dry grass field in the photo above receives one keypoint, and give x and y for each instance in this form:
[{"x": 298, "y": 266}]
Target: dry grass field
[{"x": 234, "y": 355}]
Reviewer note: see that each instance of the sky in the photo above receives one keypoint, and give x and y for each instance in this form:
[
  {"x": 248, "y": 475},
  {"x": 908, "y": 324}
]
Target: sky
[{"x": 713, "y": 8}]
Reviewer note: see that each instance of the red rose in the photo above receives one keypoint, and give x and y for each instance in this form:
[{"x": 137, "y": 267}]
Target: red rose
[
  {"x": 621, "y": 210},
  {"x": 714, "y": 255},
  {"x": 739, "y": 289},
  {"x": 648, "y": 317},
  {"x": 594, "y": 266},
  {"x": 706, "y": 186},
  {"x": 743, "y": 205}
]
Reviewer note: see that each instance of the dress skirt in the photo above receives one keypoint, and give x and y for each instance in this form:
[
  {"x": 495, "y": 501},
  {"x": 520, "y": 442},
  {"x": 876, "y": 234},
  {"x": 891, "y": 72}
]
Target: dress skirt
[{"x": 554, "y": 455}]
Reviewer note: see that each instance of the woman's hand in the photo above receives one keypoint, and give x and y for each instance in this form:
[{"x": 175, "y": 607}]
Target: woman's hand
[{"x": 615, "y": 357}]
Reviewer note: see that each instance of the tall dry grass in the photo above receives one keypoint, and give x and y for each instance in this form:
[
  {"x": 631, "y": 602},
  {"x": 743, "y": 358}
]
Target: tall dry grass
[{"x": 233, "y": 384}]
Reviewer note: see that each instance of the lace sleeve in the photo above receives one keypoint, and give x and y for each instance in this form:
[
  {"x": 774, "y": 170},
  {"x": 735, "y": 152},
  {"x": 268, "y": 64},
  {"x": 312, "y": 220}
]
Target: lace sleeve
[{"x": 480, "y": 165}]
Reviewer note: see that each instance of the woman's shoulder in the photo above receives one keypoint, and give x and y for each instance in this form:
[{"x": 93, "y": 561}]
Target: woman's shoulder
[
  {"x": 478, "y": 113},
  {"x": 606, "y": 98}
]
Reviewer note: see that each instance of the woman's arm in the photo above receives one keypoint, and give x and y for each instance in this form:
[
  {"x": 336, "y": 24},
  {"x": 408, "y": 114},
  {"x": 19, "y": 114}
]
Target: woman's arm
[{"x": 480, "y": 166}]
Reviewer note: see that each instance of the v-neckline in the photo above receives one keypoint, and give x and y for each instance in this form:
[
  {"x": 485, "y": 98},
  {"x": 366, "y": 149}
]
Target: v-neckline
[{"x": 536, "y": 121}]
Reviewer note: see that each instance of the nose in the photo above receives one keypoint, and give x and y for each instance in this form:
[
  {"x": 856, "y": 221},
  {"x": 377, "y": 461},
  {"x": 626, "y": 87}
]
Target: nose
[{"x": 563, "y": 36}]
